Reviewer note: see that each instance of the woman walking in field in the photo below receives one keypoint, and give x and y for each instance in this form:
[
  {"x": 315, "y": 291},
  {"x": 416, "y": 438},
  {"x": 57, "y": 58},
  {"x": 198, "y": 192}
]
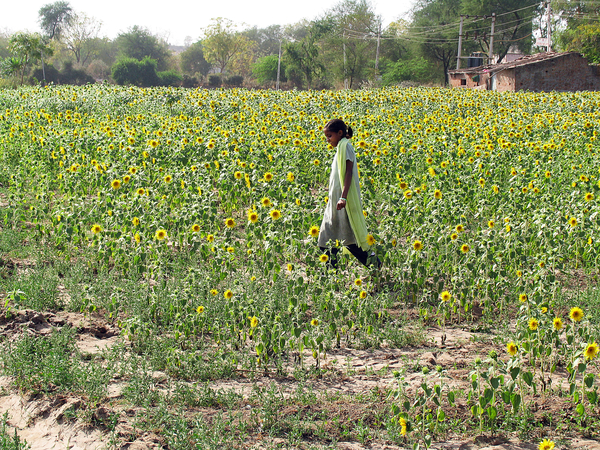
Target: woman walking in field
[{"x": 343, "y": 219}]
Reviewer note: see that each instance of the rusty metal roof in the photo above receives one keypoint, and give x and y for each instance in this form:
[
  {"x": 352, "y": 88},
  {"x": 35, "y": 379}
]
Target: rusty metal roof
[{"x": 523, "y": 61}]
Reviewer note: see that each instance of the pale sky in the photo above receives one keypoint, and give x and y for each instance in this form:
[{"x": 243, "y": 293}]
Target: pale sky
[{"x": 176, "y": 19}]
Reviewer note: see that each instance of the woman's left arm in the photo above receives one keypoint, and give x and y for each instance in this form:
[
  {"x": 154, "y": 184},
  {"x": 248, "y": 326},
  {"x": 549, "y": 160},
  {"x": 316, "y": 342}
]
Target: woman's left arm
[{"x": 347, "y": 180}]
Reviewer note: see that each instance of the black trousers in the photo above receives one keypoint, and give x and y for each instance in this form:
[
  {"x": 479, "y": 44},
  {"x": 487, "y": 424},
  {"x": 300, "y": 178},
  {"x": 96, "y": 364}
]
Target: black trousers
[{"x": 358, "y": 253}]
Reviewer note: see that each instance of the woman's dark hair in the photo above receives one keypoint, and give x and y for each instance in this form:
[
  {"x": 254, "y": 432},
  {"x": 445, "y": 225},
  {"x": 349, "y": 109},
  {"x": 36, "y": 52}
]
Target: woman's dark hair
[{"x": 336, "y": 125}]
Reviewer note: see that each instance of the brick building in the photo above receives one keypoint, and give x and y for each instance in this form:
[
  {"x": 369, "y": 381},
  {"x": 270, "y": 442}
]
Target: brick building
[{"x": 568, "y": 71}]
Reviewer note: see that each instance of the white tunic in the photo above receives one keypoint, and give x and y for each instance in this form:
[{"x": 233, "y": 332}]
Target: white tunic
[{"x": 335, "y": 223}]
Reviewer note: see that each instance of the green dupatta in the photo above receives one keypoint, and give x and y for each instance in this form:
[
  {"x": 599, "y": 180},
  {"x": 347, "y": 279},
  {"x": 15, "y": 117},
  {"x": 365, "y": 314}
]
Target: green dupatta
[{"x": 353, "y": 204}]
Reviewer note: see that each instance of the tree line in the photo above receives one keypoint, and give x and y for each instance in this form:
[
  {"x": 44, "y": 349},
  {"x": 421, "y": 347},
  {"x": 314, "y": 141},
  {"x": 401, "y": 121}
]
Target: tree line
[{"x": 346, "y": 47}]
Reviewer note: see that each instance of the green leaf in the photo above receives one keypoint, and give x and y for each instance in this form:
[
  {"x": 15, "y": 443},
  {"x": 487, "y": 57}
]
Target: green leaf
[
  {"x": 495, "y": 382},
  {"x": 514, "y": 372},
  {"x": 589, "y": 380},
  {"x": 451, "y": 398},
  {"x": 492, "y": 412},
  {"x": 516, "y": 401},
  {"x": 528, "y": 378},
  {"x": 593, "y": 397}
]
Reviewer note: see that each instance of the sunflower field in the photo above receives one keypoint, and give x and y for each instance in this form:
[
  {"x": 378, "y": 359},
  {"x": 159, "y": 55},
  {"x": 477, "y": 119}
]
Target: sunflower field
[{"x": 200, "y": 211}]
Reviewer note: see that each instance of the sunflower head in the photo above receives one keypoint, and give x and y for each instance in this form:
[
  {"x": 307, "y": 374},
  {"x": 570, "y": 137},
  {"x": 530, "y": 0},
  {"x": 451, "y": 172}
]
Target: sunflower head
[
  {"x": 533, "y": 324},
  {"x": 591, "y": 351},
  {"x": 576, "y": 314}
]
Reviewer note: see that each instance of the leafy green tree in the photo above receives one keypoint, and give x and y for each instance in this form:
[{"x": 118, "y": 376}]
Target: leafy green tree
[
  {"x": 513, "y": 27},
  {"x": 54, "y": 17},
  {"x": 138, "y": 43},
  {"x": 11, "y": 67},
  {"x": 27, "y": 47},
  {"x": 350, "y": 50},
  {"x": 302, "y": 55},
  {"x": 586, "y": 40},
  {"x": 265, "y": 69},
  {"x": 223, "y": 44},
  {"x": 435, "y": 30},
  {"x": 574, "y": 29},
  {"x": 193, "y": 61},
  {"x": 414, "y": 69},
  {"x": 138, "y": 73},
  {"x": 396, "y": 42}
]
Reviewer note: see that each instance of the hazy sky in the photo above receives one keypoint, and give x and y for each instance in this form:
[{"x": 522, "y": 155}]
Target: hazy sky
[{"x": 176, "y": 19}]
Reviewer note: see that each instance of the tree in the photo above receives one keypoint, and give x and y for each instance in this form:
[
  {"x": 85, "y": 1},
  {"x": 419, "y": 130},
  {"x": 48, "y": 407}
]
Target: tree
[
  {"x": 54, "y": 17},
  {"x": 395, "y": 45},
  {"x": 138, "y": 73},
  {"x": 267, "y": 40},
  {"x": 586, "y": 40},
  {"x": 223, "y": 44},
  {"x": 302, "y": 56},
  {"x": 574, "y": 28},
  {"x": 435, "y": 30},
  {"x": 27, "y": 47},
  {"x": 193, "y": 61},
  {"x": 138, "y": 43},
  {"x": 513, "y": 26},
  {"x": 414, "y": 69},
  {"x": 265, "y": 69},
  {"x": 80, "y": 37},
  {"x": 350, "y": 51},
  {"x": 11, "y": 67},
  {"x": 4, "y": 43}
]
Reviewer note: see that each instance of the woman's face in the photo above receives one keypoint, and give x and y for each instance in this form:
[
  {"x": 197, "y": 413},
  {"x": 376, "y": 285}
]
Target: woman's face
[{"x": 332, "y": 137}]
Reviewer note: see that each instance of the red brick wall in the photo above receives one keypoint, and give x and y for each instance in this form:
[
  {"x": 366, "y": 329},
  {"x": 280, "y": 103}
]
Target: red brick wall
[
  {"x": 568, "y": 73},
  {"x": 455, "y": 80},
  {"x": 504, "y": 80}
]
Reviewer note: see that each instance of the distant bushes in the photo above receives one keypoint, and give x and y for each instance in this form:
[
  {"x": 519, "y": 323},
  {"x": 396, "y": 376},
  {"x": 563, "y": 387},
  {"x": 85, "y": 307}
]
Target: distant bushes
[
  {"x": 68, "y": 75},
  {"x": 143, "y": 73}
]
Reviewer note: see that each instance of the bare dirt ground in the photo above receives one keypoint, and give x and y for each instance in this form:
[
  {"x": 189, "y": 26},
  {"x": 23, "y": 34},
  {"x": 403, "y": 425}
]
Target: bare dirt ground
[{"x": 47, "y": 422}]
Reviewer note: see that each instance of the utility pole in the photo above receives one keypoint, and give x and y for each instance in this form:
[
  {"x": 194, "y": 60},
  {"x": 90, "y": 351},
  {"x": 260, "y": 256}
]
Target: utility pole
[
  {"x": 344, "y": 47},
  {"x": 491, "y": 54},
  {"x": 278, "y": 66},
  {"x": 459, "y": 42},
  {"x": 549, "y": 29},
  {"x": 377, "y": 53}
]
